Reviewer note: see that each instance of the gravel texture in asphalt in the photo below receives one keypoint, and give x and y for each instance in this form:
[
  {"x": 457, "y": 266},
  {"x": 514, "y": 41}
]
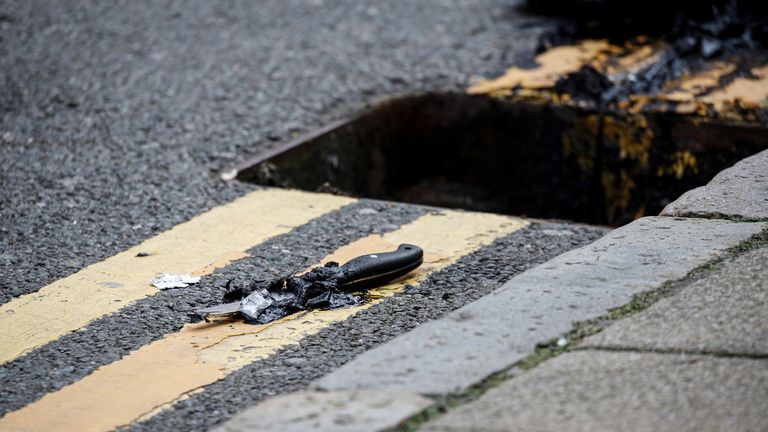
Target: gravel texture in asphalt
[{"x": 116, "y": 118}]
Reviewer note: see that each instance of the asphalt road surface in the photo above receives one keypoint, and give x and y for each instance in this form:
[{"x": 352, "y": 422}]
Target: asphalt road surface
[{"x": 117, "y": 118}]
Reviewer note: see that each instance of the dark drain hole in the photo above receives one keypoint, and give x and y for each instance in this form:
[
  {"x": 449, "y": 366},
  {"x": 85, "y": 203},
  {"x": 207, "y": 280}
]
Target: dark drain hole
[{"x": 531, "y": 159}]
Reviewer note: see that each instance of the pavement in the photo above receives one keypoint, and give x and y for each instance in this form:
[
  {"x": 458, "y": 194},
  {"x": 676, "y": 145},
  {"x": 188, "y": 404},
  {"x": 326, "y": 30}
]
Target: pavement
[
  {"x": 693, "y": 361},
  {"x": 116, "y": 122},
  {"x": 602, "y": 391}
]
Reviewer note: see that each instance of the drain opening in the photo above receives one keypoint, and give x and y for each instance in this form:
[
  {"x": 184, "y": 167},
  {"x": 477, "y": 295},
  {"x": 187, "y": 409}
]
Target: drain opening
[{"x": 520, "y": 158}]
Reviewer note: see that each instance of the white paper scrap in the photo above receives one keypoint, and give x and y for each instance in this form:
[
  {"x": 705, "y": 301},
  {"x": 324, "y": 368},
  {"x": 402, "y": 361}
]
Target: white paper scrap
[{"x": 168, "y": 281}]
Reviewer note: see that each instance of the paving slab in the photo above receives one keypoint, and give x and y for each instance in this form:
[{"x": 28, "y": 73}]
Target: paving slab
[
  {"x": 727, "y": 312},
  {"x": 614, "y": 391},
  {"x": 740, "y": 191},
  {"x": 328, "y": 411},
  {"x": 499, "y": 329}
]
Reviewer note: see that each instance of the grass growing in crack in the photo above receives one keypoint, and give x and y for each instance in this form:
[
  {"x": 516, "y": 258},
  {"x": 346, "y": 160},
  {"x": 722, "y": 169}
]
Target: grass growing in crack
[
  {"x": 721, "y": 216},
  {"x": 443, "y": 404},
  {"x": 553, "y": 347},
  {"x": 755, "y": 242}
]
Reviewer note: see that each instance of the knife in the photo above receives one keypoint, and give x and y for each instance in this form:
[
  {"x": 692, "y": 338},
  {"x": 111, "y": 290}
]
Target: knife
[{"x": 320, "y": 286}]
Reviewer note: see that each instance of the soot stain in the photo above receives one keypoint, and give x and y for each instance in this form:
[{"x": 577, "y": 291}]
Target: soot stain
[
  {"x": 318, "y": 288},
  {"x": 729, "y": 29}
]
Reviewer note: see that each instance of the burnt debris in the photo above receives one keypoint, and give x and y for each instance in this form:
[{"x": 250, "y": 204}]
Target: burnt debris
[
  {"x": 328, "y": 287},
  {"x": 692, "y": 24},
  {"x": 695, "y": 33},
  {"x": 587, "y": 83},
  {"x": 265, "y": 301}
]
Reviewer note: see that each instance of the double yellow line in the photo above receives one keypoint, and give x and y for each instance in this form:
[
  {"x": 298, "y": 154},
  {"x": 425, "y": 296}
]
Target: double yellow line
[
  {"x": 165, "y": 371},
  {"x": 210, "y": 240}
]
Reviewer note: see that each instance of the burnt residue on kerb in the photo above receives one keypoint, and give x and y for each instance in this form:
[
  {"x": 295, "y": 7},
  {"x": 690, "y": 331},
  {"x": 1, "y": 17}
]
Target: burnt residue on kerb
[{"x": 693, "y": 34}]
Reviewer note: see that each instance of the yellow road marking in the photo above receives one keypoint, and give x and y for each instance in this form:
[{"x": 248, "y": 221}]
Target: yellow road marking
[
  {"x": 748, "y": 92},
  {"x": 635, "y": 58},
  {"x": 553, "y": 64},
  {"x": 558, "y": 62},
  {"x": 167, "y": 370},
  {"x": 208, "y": 241},
  {"x": 696, "y": 93},
  {"x": 687, "y": 88}
]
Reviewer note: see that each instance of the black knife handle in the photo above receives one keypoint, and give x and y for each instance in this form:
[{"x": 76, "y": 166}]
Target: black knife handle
[{"x": 379, "y": 268}]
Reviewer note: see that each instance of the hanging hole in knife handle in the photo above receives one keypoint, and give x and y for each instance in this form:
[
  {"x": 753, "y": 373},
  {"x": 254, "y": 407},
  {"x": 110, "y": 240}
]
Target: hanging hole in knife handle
[{"x": 379, "y": 268}]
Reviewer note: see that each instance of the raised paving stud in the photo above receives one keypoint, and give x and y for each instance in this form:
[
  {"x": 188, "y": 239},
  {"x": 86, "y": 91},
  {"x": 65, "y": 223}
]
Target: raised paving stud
[
  {"x": 740, "y": 192},
  {"x": 726, "y": 313},
  {"x": 494, "y": 332},
  {"x": 612, "y": 391},
  {"x": 328, "y": 411}
]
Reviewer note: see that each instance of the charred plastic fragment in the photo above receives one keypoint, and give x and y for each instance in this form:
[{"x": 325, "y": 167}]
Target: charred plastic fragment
[
  {"x": 330, "y": 286},
  {"x": 266, "y": 301}
]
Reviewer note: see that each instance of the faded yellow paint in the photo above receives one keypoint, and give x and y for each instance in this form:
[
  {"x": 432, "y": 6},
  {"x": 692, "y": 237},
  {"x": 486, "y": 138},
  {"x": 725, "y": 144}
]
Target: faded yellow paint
[
  {"x": 636, "y": 57},
  {"x": 140, "y": 373},
  {"x": 167, "y": 370},
  {"x": 553, "y": 64},
  {"x": 698, "y": 94},
  {"x": 701, "y": 93},
  {"x": 206, "y": 242},
  {"x": 556, "y": 63},
  {"x": 745, "y": 92},
  {"x": 442, "y": 249},
  {"x": 155, "y": 411},
  {"x": 689, "y": 87}
]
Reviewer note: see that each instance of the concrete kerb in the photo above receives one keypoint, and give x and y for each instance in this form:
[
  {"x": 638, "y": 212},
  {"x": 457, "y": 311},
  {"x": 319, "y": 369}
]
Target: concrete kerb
[
  {"x": 352, "y": 410},
  {"x": 738, "y": 193},
  {"x": 504, "y": 327},
  {"x": 570, "y": 341}
]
